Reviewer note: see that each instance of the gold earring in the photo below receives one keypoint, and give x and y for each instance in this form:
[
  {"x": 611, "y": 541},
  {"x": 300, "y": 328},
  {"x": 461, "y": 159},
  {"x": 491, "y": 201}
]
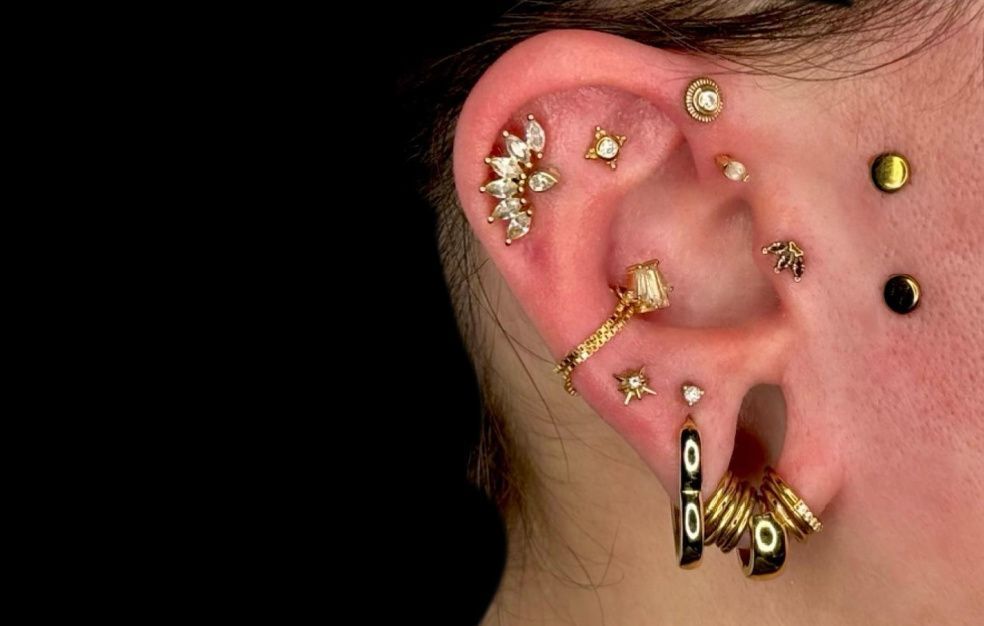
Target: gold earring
[
  {"x": 688, "y": 513},
  {"x": 606, "y": 147},
  {"x": 633, "y": 383},
  {"x": 788, "y": 254},
  {"x": 647, "y": 291},
  {"x": 728, "y": 512},
  {"x": 703, "y": 100},
  {"x": 732, "y": 170},
  {"x": 890, "y": 172},
  {"x": 766, "y": 554},
  {"x": 790, "y": 509},
  {"x": 510, "y": 188}
]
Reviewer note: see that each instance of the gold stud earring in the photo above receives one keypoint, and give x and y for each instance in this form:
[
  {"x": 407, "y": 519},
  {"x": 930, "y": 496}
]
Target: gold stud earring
[
  {"x": 647, "y": 291},
  {"x": 692, "y": 394},
  {"x": 766, "y": 554},
  {"x": 890, "y": 172},
  {"x": 902, "y": 293},
  {"x": 688, "y": 512},
  {"x": 732, "y": 170},
  {"x": 728, "y": 512},
  {"x": 790, "y": 509},
  {"x": 607, "y": 147},
  {"x": 788, "y": 255},
  {"x": 633, "y": 383},
  {"x": 703, "y": 100},
  {"x": 510, "y": 188}
]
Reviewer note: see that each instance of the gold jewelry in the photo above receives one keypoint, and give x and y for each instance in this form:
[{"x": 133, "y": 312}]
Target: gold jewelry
[
  {"x": 728, "y": 512},
  {"x": 692, "y": 394},
  {"x": 902, "y": 293},
  {"x": 633, "y": 383},
  {"x": 688, "y": 514},
  {"x": 513, "y": 180},
  {"x": 606, "y": 147},
  {"x": 790, "y": 509},
  {"x": 788, "y": 254},
  {"x": 732, "y": 170},
  {"x": 704, "y": 101},
  {"x": 890, "y": 172},
  {"x": 766, "y": 554},
  {"x": 647, "y": 292}
]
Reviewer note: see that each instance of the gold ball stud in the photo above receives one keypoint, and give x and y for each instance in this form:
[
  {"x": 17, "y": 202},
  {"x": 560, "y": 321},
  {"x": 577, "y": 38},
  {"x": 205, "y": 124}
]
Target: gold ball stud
[
  {"x": 703, "y": 100},
  {"x": 890, "y": 172}
]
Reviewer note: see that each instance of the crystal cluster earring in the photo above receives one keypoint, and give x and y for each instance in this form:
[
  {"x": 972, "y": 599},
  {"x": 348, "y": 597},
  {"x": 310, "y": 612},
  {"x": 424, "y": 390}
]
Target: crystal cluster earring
[
  {"x": 512, "y": 170},
  {"x": 788, "y": 255}
]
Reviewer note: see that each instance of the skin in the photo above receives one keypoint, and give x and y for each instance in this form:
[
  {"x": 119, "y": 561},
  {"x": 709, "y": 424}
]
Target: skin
[{"x": 884, "y": 417}]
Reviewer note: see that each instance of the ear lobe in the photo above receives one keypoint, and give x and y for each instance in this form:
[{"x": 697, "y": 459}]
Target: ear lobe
[{"x": 667, "y": 199}]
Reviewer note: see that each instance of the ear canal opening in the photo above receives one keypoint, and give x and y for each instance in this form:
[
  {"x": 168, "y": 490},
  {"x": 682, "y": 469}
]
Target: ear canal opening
[{"x": 760, "y": 432}]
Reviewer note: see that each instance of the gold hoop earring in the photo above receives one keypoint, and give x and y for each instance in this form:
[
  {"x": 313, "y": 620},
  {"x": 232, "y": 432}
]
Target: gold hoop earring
[
  {"x": 728, "y": 512},
  {"x": 688, "y": 513},
  {"x": 766, "y": 554},
  {"x": 790, "y": 509}
]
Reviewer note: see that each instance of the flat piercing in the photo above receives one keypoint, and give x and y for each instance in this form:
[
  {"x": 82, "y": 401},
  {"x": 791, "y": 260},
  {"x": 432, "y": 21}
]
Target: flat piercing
[
  {"x": 688, "y": 513},
  {"x": 902, "y": 293},
  {"x": 633, "y": 383},
  {"x": 606, "y": 147},
  {"x": 788, "y": 255},
  {"x": 890, "y": 172},
  {"x": 732, "y": 170},
  {"x": 692, "y": 394},
  {"x": 510, "y": 188},
  {"x": 703, "y": 100}
]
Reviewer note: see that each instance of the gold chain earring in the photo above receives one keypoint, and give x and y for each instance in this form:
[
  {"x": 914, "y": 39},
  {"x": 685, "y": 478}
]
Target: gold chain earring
[{"x": 647, "y": 291}]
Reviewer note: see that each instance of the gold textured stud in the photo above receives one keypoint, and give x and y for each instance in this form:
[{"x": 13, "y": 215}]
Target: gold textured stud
[
  {"x": 728, "y": 512},
  {"x": 633, "y": 383},
  {"x": 647, "y": 291},
  {"x": 789, "y": 509},
  {"x": 688, "y": 512},
  {"x": 703, "y": 100},
  {"x": 607, "y": 147},
  {"x": 766, "y": 554},
  {"x": 788, "y": 255},
  {"x": 890, "y": 172},
  {"x": 510, "y": 188},
  {"x": 692, "y": 394},
  {"x": 732, "y": 170},
  {"x": 902, "y": 293}
]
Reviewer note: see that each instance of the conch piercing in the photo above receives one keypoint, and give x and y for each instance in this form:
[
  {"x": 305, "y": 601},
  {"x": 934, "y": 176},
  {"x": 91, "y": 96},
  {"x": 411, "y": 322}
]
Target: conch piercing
[
  {"x": 703, "y": 100},
  {"x": 688, "y": 513},
  {"x": 633, "y": 383},
  {"x": 789, "y": 509},
  {"x": 647, "y": 291},
  {"x": 788, "y": 254},
  {"x": 732, "y": 170},
  {"x": 513, "y": 180},
  {"x": 606, "y": 147}
]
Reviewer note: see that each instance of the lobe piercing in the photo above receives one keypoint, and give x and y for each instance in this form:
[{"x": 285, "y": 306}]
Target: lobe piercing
[
  {"x": 692, "y": 394},
  {"x": 633, "y": 383}
]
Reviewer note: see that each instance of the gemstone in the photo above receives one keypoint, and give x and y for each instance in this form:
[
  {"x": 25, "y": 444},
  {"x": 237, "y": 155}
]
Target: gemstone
[
  {"x": 634, "y": 382},
  {"x": 507, "y": 209},
  {"x": 541, "y": 181},
  {"x": 518, "y": 148},
  {"x": 518, "y": 226},
  {"x": 536, "y": 139},
  {"x": 649, "y": 285},
  {"x": 692, "y": 394},
  {"x": 506, "y": 167},
  {"x": 502, "y": 188},
  {"x": 607, "y": 148},
  {"x": 735, "y": 171},
  {"x": 707, "y": 100}
]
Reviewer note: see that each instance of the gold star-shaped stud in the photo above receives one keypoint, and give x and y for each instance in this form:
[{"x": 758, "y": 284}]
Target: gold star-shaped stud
[{"x": 633, "y": 384}]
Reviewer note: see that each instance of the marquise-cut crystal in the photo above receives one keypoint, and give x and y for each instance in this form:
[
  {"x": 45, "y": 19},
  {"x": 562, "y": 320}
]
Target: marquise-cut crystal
[
  {"x": 502, "y": 188},
  {"x": 541, "y": 181},
  {"x": 506, "y": 167},
  {"x": 536, "y": 139},
  {"x": 507, "y": 209},
  {"x": 607, "y": 148},
  {"x": 518, "y": 148},
  {"x": 518, "y": 226}
]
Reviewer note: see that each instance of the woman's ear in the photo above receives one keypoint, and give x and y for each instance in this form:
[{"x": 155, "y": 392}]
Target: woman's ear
[{"x": 733, "y": 322}]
